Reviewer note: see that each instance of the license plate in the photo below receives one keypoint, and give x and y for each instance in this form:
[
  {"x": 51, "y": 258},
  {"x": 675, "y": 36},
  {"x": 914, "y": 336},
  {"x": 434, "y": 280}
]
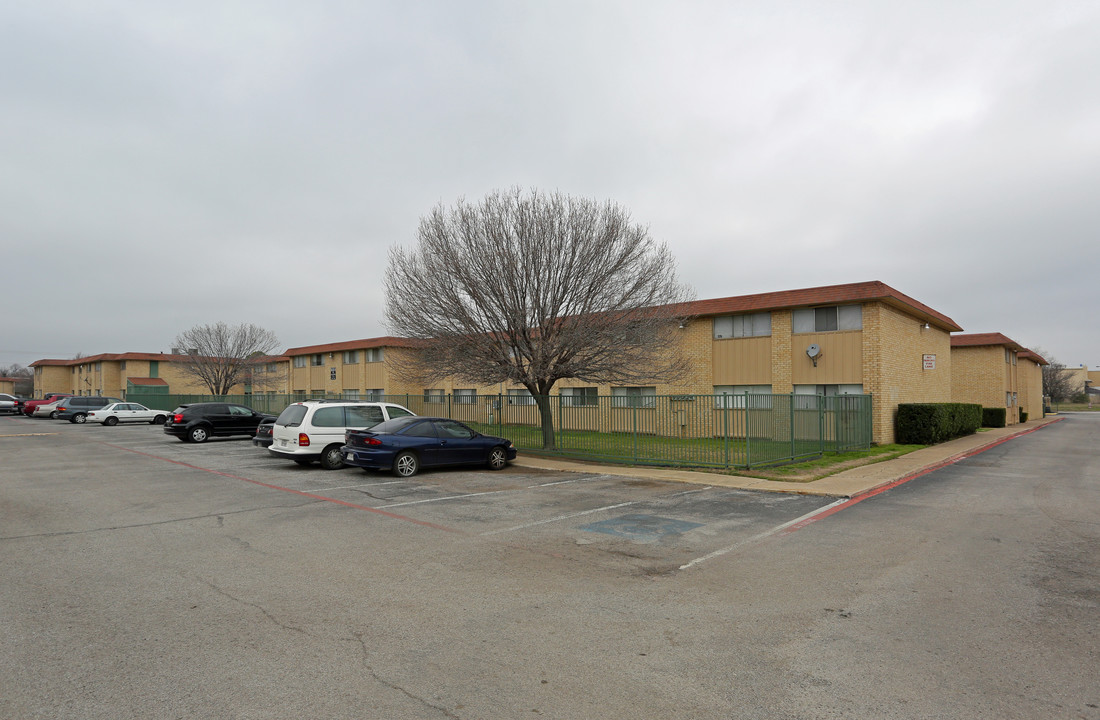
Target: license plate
[{"x": 351, "y": 456}]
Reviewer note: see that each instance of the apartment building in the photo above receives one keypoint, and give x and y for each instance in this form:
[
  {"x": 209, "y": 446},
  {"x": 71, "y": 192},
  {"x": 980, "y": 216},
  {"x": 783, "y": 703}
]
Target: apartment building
[
  {"x": 1030, "y": 378},
  {"x": 985, "y": 370},
  {"x": 118, "y": 374}
]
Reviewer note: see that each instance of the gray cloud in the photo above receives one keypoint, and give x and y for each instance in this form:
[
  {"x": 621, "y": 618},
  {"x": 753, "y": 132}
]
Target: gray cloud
[{"x": 255, "y": 161}]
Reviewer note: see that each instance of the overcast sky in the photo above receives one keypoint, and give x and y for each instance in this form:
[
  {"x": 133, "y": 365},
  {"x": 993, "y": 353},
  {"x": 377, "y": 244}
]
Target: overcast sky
[{"x": 165, "y": 165}]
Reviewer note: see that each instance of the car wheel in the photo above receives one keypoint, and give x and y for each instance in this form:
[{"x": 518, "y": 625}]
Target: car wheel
[
  {"x": 497, "y": 458},
  {"x": 159, "y": 420},
  {"x": 406, "y": 464},
  {"x": 79, "y": 418},
  {"x": 332, "y": 458},
  {"x": 198, "y": 434},
  {"x": 111, "y": 421},
  {"x": 53, "y": 415}
]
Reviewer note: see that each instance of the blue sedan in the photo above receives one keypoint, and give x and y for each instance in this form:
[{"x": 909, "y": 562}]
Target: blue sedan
[{"x": 407, "y": 444}]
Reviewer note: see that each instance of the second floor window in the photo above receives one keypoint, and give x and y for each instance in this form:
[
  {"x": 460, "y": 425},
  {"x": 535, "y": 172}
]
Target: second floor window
[
  {"x": 827, "y": 319},
  {"x": 351, "y": 357},
  {"x": 736, "y": 326}
]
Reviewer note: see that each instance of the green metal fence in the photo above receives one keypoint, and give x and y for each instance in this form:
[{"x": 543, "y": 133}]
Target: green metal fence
[{"x": 724, "y": 431}]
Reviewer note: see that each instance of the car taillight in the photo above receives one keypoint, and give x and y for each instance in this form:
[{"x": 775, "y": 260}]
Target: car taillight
[
  {"x": 303, "y": 440},
  {"x": 60, "y": 408},
  {"x": 177, "y": 418}
]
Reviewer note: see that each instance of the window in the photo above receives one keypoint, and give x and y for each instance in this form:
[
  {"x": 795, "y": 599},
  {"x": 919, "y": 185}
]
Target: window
[
  {"x": 827, "y": 319},
  {"x": 351, "y": 357},
  {"x": 433, "y": 396},
  {"x": 317, "y": 394},
  {"x": 809, "y": 393},
  {"x": 317, "y": 360},
  {"x": 363, "y": 415},
  {"x": 580, "y": 397},
  {"x": 466, "y": 397},
  {"x": 300, "y": 360},
  {"x": 375, "y": 394},
  {"x": 329, "y": 417},
  {"x": 122, "y": 365},
  {"x": 520, "y": 397},
  {"x": 351, "y": 394},
  {"x": 736, "y": 326},
  {"x": 634, "y": 397},
  {"x": 373, "y": 355},
  {"x": 734, "y": 396},
  {"x": 450, "y": 428}
]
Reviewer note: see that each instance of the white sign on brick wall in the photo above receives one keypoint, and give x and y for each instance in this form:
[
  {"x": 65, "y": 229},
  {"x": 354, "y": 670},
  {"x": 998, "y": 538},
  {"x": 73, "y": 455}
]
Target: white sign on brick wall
[{"x": 929, "y": 362}]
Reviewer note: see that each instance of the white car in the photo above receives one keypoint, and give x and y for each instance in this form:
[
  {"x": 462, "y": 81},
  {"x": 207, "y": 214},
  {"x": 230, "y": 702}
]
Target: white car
[
  {"x": 314, "y": 429},
  {"x": 121, "y": 412}
]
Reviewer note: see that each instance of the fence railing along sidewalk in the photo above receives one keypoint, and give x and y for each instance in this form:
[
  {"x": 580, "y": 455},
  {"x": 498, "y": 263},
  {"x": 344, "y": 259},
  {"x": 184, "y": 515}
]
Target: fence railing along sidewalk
[{"x": 723, "y": 431}]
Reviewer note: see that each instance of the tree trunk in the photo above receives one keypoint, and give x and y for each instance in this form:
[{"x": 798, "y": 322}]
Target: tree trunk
[{"x": 546, "y": 412}]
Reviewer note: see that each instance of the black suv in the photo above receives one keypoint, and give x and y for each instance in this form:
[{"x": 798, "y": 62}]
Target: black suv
[
  {"x": 197, "y": 422},
  {"x": 75, "y": 409}
]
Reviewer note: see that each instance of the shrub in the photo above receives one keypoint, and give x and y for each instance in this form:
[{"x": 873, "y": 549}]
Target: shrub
[
  {"x": 994, "y": 417},
  {"x": 1023, "y": 416},
  {"x": 930, "y": 423}
]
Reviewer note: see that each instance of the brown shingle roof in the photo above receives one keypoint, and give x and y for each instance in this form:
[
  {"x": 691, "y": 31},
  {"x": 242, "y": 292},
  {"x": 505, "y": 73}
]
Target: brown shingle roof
[
  {"x": 985, "y": 339},
  {"x": 377, "y": 342},
  {"x": 827, "y": 295},
  {"x": 1032, "y": 355}
]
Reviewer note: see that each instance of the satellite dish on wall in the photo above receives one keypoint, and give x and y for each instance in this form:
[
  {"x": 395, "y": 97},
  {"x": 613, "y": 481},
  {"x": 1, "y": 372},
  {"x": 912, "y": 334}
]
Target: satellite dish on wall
[{"x": 814, "y": 352}]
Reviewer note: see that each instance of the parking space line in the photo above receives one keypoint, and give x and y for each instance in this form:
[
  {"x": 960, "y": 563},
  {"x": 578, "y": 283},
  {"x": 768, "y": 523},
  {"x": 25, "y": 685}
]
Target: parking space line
[
  {"x": 448, "y": 497},
  {"x": 359, "y": 485},
  {"x": 558, "y": 518},
  {"x": 766, "y": 534}
]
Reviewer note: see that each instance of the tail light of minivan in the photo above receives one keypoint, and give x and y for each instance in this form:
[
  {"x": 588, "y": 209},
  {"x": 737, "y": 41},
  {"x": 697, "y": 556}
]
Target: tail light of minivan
[{"x": 303, "y": 440}]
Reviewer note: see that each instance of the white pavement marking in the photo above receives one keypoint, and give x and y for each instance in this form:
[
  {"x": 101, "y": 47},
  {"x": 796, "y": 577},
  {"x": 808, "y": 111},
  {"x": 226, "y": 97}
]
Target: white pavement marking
[
  {"x": 449, "y": 497},
  {"x": 349, "y": 487},
  {"x": 558, "y": 519},
  {"x": 763, "y": 535}
]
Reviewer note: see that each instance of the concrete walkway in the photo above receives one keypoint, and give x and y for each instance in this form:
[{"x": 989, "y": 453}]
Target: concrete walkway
[{"x": 849, "y": 483}]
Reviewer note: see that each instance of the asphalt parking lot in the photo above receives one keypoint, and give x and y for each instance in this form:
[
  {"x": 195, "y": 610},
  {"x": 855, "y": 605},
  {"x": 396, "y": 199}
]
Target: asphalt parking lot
[
  {"x": 651, "y": 525},
  {"x": 141, "y": 577}
]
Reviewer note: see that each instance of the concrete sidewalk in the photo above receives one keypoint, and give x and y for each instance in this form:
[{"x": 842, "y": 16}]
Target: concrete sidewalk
[{"x": 849, "y": 483}]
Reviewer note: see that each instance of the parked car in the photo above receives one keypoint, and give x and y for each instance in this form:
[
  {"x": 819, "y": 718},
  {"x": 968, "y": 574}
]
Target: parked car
[
  {"x": 314, "y": 429},
  {"x": 48, "y": 398},
  {"x": 124, "y": 412},
  {"x": 47, "y": 410},
  {"x": 75, "y": 408},
  {"x": 198, "y": 422},
  {"x": 407, "y": 444},
  {"x": 9, "y": 403},
  {"x": 262, "y": 438}
]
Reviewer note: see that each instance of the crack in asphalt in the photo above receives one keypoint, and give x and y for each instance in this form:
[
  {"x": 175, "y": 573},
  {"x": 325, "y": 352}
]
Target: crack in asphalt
[
  {"x": 261, "y": 608},
  {"x": 358, "y": 636},
  {"x": 170, "y": 521}
]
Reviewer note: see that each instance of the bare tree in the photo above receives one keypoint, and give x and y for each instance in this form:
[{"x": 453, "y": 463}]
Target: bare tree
[
  {"x": 23, "y": 376},
  {"x": 532, "y": 288},
  {"x": 1058, "y": 383},
  {"x": 221, "y": 356}
]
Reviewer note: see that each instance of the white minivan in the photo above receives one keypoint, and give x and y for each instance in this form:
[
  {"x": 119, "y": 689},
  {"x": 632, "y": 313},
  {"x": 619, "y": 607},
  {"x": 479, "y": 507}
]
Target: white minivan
[{"x": 314, "y": 429}]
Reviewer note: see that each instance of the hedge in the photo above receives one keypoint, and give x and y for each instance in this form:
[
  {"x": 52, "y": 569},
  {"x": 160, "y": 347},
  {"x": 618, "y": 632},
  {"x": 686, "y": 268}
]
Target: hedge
[
  {"x": 994, "y": 417},
  {"x": 931, "y": 423}
]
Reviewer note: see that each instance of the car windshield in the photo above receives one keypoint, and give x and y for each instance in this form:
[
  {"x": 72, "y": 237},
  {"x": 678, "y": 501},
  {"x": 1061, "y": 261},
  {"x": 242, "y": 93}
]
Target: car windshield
[
  {"x": 292, "y": 416},
  {"x": 395, "y": 425}
]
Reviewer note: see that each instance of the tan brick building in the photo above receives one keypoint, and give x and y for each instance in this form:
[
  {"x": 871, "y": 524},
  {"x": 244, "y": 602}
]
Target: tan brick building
[
  {"x": 116, "y": 374},
  {"x": 985, "y": 370},
  {"x": 1030, "y": 375},
  {"x": 869, "y": 338}
]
